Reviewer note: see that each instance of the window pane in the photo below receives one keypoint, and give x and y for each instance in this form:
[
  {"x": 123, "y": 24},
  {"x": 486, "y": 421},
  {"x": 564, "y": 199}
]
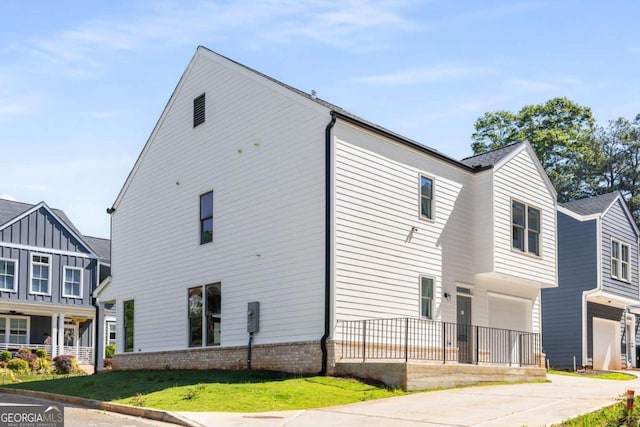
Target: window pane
[
  {"x": 518, "y": 238},
  {"x": 206, "y": 205},
  {"x": 426, "y": 294},
  {"x": 206, "y": 232},
  {"x": 195, "y": 317},
  {"x": 517, "y": 212},
  {"x": 625, "y": 253},
  {"x": 614, "y": 267},
  {"x": 614, "y": 250},
  {"x": 625, "y": 271},
  {"x": 426, "y": 196},
  {"x": 534, "y": 219},
  {"x": 425, "y": 208},
  {"x": 533, "y": 243},
  {"x": 213, "y": 307},
  {"x": 426, "y": 187}
]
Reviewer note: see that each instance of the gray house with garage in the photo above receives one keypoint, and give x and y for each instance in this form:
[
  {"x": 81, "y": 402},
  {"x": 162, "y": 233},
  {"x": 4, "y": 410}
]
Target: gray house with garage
[{"x": 588, "y": 319}]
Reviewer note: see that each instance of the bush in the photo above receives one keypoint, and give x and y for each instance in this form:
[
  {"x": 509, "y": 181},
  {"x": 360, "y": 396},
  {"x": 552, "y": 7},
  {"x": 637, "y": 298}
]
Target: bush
[
  {"x": 43, "y": 366},
  {"x": 66, "y": 364},
  {"x": 19, "y": 366},
  {"x": 30, "y": 358},
  {"x": 108, "y": 362},
  {"x": 24, "y": 350},
  {"x": 42, "y": 353},
  {"x": 109, "y": 351},
  {"x": 5, "y": 356}
]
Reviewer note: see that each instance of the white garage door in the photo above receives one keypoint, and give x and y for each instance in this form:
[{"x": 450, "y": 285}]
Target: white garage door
[
  {"x": 508, "y": 313},
  {"x": 606, "y": 347}
]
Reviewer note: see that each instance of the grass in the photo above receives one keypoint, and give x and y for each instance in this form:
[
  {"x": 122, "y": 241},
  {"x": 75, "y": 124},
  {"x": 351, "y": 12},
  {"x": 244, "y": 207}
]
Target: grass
[
  {"x": 227, "y": 391},
  {"x": 611, "y": 416},
  {"x": 602, "y": 375}
]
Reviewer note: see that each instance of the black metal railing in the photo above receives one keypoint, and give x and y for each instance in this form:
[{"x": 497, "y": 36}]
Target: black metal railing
[{"x": 421, "y": 339}]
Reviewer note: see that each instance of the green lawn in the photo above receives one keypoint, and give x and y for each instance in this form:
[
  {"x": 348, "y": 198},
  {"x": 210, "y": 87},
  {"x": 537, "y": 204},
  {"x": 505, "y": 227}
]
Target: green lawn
[
  {"x": 228, "y": 391},
  {"x": 602, "y": 375}
]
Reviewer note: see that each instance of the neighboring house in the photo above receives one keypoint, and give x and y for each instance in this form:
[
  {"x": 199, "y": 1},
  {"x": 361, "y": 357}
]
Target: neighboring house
[
  {"x": 355, "y": 241},
  {"x": 587, "y": 319},
  {"x": 48, "y": 271}
]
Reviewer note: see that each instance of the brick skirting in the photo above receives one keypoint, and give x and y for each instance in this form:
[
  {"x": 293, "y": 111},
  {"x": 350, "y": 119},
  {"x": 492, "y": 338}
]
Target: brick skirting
[{"x": 297, "y": 357}]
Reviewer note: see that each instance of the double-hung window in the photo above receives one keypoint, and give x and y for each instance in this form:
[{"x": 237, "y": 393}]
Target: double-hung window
[
  {"x": 8, "y": 273},
  {"x": 525, "y": 221},
  {"x": 426, "y": 197},
  {"x": 72, "y": 286},
  {"x": 426, "y": 297},
  {"x": 14, "y": 330},
  {"x": 40, "y": 274},
  {"x": 620, "y": 260},
  {"x": 206, "y": 217}
]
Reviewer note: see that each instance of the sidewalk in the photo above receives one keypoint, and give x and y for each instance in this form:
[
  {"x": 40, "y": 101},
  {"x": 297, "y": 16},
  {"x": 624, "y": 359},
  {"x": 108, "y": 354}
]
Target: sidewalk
[{"x": 532, "y": 405}]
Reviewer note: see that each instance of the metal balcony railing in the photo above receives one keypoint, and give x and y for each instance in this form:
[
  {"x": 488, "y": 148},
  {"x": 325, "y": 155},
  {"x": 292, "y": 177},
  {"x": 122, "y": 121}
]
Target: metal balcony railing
[
  {"x": 429, "y": 340},
  {"x": 84, "y": 355}
]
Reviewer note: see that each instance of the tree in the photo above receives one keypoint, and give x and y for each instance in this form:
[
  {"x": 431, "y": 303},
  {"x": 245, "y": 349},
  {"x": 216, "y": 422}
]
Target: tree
[{"x": 559, "y": 131}]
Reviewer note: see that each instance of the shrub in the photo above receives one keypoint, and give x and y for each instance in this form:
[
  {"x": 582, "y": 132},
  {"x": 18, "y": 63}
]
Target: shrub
[
  {"x": 19, "y": 366},
  {"x": 108, "y": 362},
  {"x": 30, "y": 358},
  {"x": 66, "y": 364},
  {"x": 43, "y": 366},
  {"x": 42, "y": 353},
  {"x": 109, "y": 351},
  {"x": 24, "y": 350},
  {"x": 5, "y": 356}
]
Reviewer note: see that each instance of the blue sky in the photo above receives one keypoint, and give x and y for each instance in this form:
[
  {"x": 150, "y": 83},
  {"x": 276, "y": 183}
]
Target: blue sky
[{"x": 82, "y": 83}]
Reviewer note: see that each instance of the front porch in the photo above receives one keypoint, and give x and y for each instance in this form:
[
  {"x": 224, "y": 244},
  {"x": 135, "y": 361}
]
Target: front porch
[
  {"x": 83, "y": 354},
  {"x": 417, "y": 354}
]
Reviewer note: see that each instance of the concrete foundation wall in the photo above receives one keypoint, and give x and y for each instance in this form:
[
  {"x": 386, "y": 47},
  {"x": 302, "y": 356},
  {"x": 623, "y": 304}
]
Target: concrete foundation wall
[{"x": 421, "y": 376}]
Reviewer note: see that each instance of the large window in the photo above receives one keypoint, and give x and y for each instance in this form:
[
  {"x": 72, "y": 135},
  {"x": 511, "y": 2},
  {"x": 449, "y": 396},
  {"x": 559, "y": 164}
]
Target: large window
[
  {"x": 525, "y": 228},
  {"x": 128, "y": 326},
  {"x": 40, "y": 274},
  {"x": 426, "y": 297},
  {"x": 620, "y": 260},
  {"x": 426, "y": 197},
  {"x": 8, "y": 273},
  {"x": 206, "y": 217},
  {"x": 204, "y": 305},
  {"x": 72, "y": 286},
  {"x": 14, "y": 330}
]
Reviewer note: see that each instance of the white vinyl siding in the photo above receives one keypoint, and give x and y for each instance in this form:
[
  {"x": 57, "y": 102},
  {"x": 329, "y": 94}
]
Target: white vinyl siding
[
  {"x": 519, "y": 179},
  {"x": 269, "y": 232}
]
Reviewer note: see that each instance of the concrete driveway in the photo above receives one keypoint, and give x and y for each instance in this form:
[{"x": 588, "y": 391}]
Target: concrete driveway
[{"x": 532, "y": 405}]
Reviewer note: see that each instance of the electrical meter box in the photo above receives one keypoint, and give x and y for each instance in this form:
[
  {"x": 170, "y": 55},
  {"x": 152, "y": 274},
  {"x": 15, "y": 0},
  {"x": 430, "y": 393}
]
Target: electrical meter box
[{"x": 253, "y": 317}]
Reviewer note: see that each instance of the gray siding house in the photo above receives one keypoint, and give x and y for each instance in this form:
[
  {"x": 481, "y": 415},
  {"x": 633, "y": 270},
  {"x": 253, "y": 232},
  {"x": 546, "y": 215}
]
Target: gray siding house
[
  {"x": 587, "y": 320},
  {"x": 48, "y": 271}
]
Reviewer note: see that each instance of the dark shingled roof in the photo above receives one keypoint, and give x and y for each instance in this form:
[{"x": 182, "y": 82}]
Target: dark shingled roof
[
  {"x": 102, "y": 247},
  {"x": 591, "y": 205},
  {"x": 10, "y": 210},
  {"x": 490, "y": 158}
]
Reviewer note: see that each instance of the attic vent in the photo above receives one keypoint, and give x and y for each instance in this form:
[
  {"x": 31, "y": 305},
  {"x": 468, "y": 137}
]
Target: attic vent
[{"x": 198, "y": 110}]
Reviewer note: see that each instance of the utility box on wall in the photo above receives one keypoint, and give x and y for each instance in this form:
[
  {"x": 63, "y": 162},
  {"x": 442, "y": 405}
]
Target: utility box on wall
[{"x": 253, "y": 317}]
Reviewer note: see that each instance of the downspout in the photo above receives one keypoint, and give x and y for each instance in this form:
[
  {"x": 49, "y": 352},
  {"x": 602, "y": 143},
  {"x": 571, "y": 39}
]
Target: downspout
[
  {"x": 96, "y": 338},
  {"x": 327, "y": 242}
]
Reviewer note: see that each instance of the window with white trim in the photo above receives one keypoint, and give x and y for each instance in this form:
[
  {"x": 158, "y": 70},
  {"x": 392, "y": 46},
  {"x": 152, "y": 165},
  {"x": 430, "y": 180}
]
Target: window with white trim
[
  {"x": 14, "y": 330},
  {"x": 72, "y": 286},
  {"x": 525, "y": 221},
  {"x": 40, "y": 274},
  {"x": 426, "y": 297},
  {"x": 620, "y": 260},
  {"x": 426, "y": 197},
  {"x": 8, "y": 273}
]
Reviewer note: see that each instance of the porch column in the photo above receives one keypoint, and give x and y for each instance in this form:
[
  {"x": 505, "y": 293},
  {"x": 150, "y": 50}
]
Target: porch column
[
  {"x": 99, "y": 336},
  {"x": 60, "y": 333},
  {"x": 53, "y": 350}
]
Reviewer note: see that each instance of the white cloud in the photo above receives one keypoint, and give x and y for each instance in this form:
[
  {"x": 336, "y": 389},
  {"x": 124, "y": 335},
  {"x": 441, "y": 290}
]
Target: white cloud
[{"x": 427, "y": 74}]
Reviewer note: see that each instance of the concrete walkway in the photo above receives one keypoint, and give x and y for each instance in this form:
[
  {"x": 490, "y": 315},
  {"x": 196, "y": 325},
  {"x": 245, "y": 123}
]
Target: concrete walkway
[{"x": 532, "y": 405}]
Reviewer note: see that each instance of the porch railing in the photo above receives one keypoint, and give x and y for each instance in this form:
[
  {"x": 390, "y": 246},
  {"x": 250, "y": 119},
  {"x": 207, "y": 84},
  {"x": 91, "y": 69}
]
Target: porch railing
[
  {"x": 429, "y": 340},
  {"x": 84, "y": 355}
]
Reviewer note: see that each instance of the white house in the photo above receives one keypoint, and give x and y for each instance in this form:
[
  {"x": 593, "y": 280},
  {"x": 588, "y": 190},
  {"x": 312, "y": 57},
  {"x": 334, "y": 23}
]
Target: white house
[{"x": 351, "y": 239}]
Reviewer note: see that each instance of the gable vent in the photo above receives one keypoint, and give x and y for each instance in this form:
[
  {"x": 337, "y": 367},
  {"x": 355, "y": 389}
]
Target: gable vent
[{"x": 198, "y": 110}]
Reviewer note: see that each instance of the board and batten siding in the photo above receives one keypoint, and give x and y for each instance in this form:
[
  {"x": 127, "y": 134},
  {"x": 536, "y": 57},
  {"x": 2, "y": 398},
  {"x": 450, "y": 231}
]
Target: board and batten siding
[
  {"x": 378, "y": 259},
  {"x": 562, "y": 321},
  {"x": 519, "y": 179},
  {"x": 261, "y": 151},
  {"x": 616, "y": 225}
]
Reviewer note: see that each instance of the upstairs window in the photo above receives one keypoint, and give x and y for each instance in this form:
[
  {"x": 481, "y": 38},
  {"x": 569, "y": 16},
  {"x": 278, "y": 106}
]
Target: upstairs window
[
  {"x": 72, "y": 286},
  {"x": 8, "y": 275},
  {"x": 426, "y": 197},
  {"x": 198, "y": 110},
  {"x": 206, "y": 217},
  {"x": 426, "y": 297},
  {"x": 525, "y": 228},
  {"x": 40, "y": 273},
  {"x": 620, "y": 260}
]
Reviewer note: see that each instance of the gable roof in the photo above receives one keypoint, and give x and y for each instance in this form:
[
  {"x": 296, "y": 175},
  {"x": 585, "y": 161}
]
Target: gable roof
[
  {"x": 490, "y": 158},
  {"x": 11, "y": 211},
  {"x": 592, "y": 205}
]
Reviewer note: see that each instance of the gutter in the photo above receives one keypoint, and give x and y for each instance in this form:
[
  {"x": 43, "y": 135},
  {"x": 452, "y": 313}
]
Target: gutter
[{"x": 327, "y": 242}]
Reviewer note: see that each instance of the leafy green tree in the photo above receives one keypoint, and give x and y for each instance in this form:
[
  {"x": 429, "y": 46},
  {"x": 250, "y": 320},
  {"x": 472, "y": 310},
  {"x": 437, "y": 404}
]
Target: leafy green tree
[{"x": 559, "y": 131}]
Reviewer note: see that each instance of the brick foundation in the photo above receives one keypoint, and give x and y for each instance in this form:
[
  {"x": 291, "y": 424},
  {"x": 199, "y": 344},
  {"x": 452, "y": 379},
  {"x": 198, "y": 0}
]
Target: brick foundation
[{"x": 297, "y": 357}]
